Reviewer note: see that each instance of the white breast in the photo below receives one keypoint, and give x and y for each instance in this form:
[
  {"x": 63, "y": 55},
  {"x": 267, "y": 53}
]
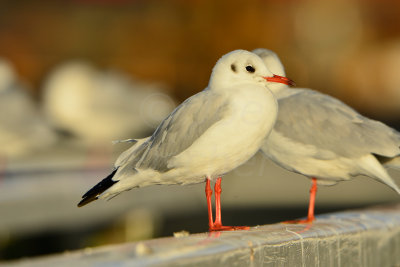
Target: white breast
[{"x": 234, "y": 139}]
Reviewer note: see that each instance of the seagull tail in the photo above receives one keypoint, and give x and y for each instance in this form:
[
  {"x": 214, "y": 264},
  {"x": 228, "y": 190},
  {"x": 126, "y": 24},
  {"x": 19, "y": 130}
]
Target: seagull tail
[
  {"x": 96, "y": 190},
  {"x": 375, "y": 169}
]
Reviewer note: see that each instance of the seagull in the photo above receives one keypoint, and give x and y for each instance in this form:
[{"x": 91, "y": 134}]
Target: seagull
[
  {"x": 102, "y": 105},
  {"x": 23, "y": 129},
  {"x": 208, "y": 135},
  {"x": 322, "y": 138}
]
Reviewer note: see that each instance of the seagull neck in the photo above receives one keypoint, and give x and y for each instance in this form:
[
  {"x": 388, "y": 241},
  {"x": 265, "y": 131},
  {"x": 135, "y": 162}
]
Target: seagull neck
[{"x": 278, "y": 88}]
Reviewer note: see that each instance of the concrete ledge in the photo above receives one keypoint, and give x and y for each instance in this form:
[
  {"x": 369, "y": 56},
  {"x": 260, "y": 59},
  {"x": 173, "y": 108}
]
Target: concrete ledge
[{"x": 369, "y": 237}]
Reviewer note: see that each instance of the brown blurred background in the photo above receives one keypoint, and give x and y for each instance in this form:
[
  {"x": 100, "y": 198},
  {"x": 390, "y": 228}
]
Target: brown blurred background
[{"x": 349, "y": 49}]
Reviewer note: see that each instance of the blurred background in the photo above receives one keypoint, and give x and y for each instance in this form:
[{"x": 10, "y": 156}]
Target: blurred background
[{"x": 75, "y": 75}]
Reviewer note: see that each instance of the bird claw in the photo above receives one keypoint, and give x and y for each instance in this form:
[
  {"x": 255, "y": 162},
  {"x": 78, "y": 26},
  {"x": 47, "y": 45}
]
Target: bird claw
[
  {"x": 227, "y": 228},
  {"x": 304, "y": 221}
]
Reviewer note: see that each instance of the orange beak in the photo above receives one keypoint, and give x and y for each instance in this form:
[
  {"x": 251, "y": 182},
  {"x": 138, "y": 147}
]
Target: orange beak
[{"x": 280, "y": 79}]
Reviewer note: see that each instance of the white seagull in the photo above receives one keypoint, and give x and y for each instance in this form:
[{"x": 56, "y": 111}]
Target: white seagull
[
  {"x": 98, "y": 106},
  {"x": 322, "y": 138},
  {"x": 23, "y": 129},
  {"x": 208, "y": 135}
]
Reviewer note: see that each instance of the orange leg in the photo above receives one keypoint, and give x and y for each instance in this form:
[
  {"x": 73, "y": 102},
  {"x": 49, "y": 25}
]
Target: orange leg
[
  {"x": 217, "y": 225},
  {"x": 311, "y": 205},
  {"x": 218, "y": 191},
  {"x": 209, "y": 205}
]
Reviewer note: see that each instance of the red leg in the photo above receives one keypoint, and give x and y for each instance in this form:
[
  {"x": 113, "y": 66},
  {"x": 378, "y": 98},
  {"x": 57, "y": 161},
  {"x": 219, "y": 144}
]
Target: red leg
[
  {"x": 218, "y": 190},
  {"x": 217, "y": 226},
  {"x": 311, "y": 205},
  {"x": 209, "y": 205}
]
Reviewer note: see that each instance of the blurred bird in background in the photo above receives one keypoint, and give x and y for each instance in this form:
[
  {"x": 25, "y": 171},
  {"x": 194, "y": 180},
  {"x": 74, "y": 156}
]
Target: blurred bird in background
[
  {"x": 23, "y": 129},
  {"x": 99, "y": 106}
]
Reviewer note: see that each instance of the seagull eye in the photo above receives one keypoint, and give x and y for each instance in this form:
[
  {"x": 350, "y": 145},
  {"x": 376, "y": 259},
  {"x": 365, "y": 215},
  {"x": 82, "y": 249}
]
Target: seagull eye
[
  {"x": 233, "y": 67},
  {"x": 250, "y": 69}
]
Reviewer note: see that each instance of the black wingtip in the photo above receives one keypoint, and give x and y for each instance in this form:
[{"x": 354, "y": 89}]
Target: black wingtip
[
  {"x": 96, "y": 190},
  {"x": 85, "y": 201}
]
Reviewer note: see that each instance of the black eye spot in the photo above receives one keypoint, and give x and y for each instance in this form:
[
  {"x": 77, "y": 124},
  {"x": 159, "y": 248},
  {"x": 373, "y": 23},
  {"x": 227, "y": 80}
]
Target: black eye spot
[
  {"x": 250, "y": 69},
  {"x": 233, "y": 67}
]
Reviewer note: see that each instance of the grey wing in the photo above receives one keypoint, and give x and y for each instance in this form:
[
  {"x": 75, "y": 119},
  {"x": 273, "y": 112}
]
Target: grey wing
[
  {"x": 179, "y": 131},
  {"x": 131, "y": 153},
  {"x": 312, "y": 118}
]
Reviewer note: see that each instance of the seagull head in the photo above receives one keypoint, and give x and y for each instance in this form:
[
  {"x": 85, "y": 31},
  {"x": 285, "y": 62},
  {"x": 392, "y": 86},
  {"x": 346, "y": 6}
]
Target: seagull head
[
  {"x": 271, "y": 60},
  {"x": 241, "y": 66}
]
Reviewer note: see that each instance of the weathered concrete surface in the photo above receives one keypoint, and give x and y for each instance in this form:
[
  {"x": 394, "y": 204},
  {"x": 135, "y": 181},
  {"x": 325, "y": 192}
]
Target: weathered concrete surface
[{"x": 369, "y": 237}]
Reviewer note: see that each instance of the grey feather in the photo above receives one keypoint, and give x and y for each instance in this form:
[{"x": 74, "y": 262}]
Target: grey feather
[
  {"x": 177, "y": 132},
  {"x": 134, "y": 141},
  {"x": 305, "y": 112}
]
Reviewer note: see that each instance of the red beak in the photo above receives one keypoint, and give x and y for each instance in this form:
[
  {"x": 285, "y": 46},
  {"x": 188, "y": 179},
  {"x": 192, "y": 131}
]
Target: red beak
[{"x": 280, "y": 79}]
